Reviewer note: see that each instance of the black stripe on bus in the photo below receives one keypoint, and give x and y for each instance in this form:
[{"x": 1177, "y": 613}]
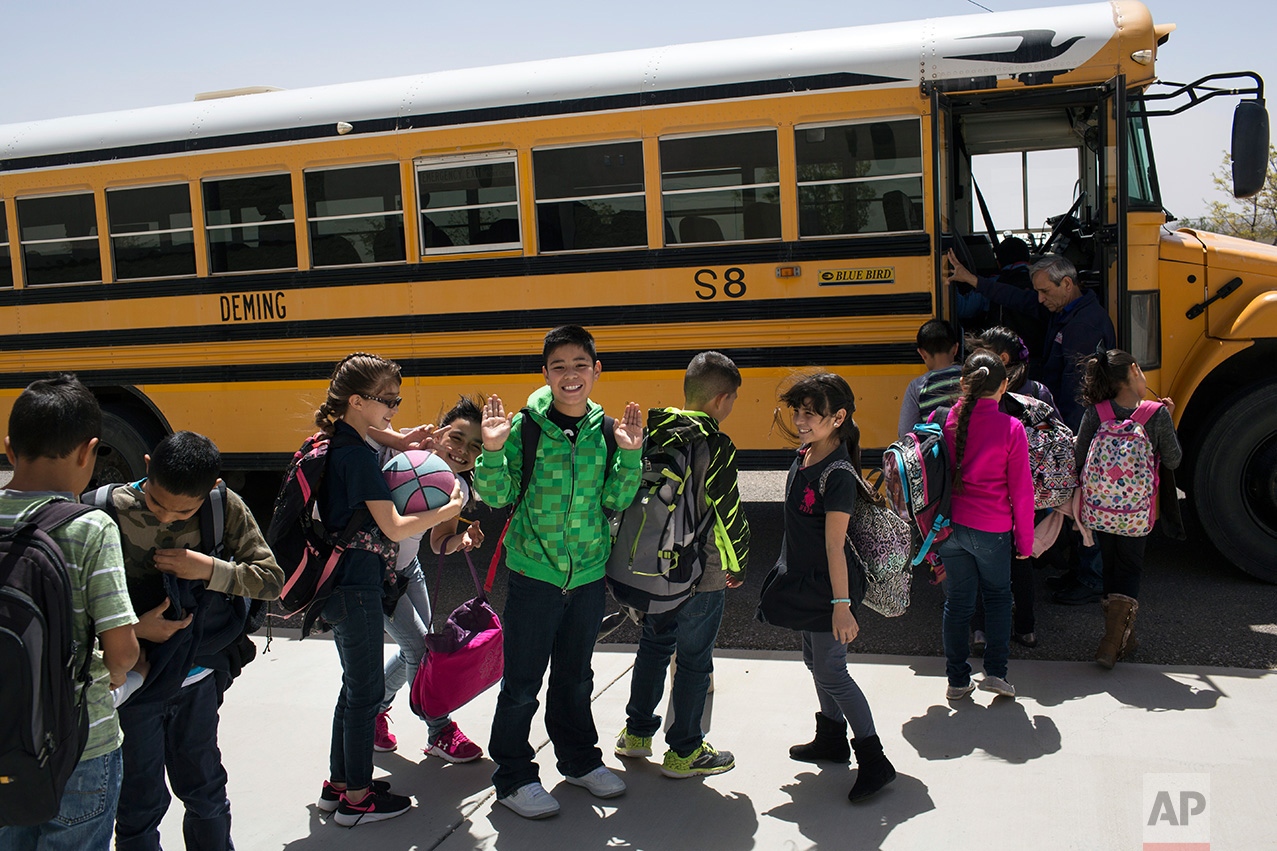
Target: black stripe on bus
[
  {"x": 718, "y": 310},
  {"x": 872, "y": 354},
  {"x": 822, "y": 250},
  {"x": 513, "y": 112},
  {"x": 746, "y": 459}
]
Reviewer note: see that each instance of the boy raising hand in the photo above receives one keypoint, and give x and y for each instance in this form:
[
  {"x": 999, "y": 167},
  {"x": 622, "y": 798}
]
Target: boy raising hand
[{"x": 556, "y": 548}]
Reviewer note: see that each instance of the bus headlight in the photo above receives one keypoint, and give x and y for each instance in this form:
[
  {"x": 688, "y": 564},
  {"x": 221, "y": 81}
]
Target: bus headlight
[{"x": 1146, "y": 328}]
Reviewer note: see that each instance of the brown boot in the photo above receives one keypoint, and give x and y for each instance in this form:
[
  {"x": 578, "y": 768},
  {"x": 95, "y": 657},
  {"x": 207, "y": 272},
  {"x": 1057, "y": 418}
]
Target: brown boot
[{"x": 1119, "y": 620}]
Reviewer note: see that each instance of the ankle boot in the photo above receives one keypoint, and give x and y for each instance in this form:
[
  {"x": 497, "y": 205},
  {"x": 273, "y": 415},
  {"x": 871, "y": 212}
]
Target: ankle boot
[
  {"x": 1119, "y": 620},
  {"x": 874, "y": 770},
  {"x": 830, "y": 744}
]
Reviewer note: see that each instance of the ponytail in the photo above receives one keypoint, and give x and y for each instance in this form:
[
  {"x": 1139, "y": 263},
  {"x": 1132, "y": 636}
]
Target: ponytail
[
  {"x": 1104, "y": 374},
  {"x": 982, "y": 374},
  {"x": 357, "y": 374}
]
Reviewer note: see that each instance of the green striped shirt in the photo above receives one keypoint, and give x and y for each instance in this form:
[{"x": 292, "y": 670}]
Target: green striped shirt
[{"x": 90, "y": 545}]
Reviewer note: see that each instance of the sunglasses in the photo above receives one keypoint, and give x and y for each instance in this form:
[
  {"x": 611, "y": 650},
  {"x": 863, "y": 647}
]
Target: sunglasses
[{"x": 389, "y": 403}]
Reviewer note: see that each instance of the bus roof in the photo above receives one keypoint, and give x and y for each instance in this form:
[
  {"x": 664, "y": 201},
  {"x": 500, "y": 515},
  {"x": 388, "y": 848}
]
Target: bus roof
[{"x": 967, "y": 52}]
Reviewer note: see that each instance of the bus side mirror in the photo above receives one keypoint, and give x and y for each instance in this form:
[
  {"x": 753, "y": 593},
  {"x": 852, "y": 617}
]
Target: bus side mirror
[{"x": 1250, "y": 148}]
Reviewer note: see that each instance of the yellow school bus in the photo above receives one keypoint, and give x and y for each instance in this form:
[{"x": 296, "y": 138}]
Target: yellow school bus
[{"x": 784, "y": 199}]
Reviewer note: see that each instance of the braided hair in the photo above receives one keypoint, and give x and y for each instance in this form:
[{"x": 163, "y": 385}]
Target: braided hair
[
  {"x": 982, "y": 375},
  {"x": 1104, "y": 374},
  {"x": 357, "y": 374}
]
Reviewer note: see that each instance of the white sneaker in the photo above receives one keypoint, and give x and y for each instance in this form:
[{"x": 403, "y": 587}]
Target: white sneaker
[
  {"x": 959, "y": 692},
  {"x": 601, "y": 783},
  {"x": 531, "y": 801},
  {"x": 997, "y": 685}
]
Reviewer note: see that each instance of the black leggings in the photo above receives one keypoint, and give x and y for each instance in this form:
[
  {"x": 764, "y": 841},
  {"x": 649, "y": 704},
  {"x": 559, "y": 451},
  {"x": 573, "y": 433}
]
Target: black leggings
[{"x": 1123, "y": 563}]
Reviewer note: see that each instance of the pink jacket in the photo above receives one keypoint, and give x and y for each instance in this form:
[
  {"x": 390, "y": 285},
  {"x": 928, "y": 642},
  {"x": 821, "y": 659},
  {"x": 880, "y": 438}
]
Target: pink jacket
[{"x": 996, "y": 494}]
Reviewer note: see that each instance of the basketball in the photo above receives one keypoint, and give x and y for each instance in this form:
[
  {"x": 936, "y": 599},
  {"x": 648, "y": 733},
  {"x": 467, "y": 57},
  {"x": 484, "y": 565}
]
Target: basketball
[{"x": 418, "y": 481}]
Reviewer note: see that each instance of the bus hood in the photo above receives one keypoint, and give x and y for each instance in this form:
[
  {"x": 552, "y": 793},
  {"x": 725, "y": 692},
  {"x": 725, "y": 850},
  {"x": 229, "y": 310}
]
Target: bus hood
[{"x": 1250, "y": 310}]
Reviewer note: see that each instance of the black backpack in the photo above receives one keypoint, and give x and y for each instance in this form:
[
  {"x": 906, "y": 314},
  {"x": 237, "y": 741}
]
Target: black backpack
[
  {"x": 658, "y": 543},
  {"x": 303, "y": 547},
  {"x": 43, "y": 724}
]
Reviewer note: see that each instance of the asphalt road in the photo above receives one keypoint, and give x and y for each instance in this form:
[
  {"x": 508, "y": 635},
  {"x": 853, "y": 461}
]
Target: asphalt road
[{"x": 1195, "y": 607}]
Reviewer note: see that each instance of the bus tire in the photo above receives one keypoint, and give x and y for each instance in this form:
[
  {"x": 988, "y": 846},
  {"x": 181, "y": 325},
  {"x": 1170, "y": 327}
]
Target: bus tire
[
  {"x": 125, "y": 441},
  {"x": 1235, "y": 481}
]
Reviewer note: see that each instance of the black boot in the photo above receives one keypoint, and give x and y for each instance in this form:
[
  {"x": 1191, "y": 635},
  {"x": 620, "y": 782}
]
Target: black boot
[
  {"x": 830, "y": 744},
  {"x": 874, "y": 769}
]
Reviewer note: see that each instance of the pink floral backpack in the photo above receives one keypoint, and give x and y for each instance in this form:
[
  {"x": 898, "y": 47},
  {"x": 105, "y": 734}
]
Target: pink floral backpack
[{"x": 1119, "y": 478}]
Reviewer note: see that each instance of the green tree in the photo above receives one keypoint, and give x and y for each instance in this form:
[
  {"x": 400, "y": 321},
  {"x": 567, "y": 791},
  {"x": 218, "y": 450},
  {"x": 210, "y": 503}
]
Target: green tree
[{"x": 1255, "y": 218}]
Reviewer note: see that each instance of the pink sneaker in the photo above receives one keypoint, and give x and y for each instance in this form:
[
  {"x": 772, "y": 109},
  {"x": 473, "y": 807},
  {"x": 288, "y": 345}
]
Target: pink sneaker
[
  {"x": 454, "y": 746},
  {"x": 382, "y": 740}
]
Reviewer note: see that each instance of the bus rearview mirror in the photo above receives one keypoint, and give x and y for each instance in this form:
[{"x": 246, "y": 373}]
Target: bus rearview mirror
[{"x": 1250, "y": 148}]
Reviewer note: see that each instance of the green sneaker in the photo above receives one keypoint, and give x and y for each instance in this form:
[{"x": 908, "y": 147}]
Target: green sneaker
[
  {"x": 704, "y": 760},
  {"x": 627, "y": 745}
]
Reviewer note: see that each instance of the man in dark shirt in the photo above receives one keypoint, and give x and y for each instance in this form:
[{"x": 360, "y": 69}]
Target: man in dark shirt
[{"x": 1077, "y": 324}]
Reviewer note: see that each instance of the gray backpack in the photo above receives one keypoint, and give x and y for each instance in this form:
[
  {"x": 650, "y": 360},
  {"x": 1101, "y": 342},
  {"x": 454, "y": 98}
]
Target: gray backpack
[{"x": 658, "y": 543}]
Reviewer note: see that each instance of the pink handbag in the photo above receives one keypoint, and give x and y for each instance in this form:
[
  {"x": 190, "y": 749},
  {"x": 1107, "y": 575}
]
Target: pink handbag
[{"x": 463, "y": 659}]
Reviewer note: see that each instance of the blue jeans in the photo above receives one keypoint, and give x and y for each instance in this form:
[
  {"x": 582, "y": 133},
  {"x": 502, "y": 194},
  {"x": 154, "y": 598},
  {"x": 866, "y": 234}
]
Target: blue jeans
[
  {"x": 408, "y": 626},
  {"x": 84, "y": 820},
  {"x": 691, "y": 630},
  {"x": 354, "y": 612},
  {"x": 976, "y": 561},
  {"x": 177, "y": 736},
  {"x": 546, "y": 627}
]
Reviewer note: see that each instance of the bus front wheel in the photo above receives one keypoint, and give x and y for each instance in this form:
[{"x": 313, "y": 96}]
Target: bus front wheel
[
  {"x": 1235, "y": 481},
  {"x": 121, "y": 450}
]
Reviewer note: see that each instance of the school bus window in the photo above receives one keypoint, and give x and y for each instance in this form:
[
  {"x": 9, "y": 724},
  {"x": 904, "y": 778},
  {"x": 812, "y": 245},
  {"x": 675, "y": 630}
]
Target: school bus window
[
  {"x": 468, "y": 205},
  {"x": 590, "y": 196},
  {"x": 859, "y": 178},
  {"x": 721, "y": 188},
  {"x": 355, "y": 215},
  {"x": 59, "y": 237},
  {"x": 6, "y": 263},
  {"x": 152, "y": 235},
  {"x": 249, "y": 221}
]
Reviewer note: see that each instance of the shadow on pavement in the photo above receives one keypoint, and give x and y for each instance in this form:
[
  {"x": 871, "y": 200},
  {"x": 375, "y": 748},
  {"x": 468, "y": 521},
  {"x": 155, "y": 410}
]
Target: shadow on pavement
[{"x": 863, "y": 825}]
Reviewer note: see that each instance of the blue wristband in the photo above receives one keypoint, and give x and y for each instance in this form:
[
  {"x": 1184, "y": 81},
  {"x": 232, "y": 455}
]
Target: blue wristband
[{"x": 840, "y": 600}]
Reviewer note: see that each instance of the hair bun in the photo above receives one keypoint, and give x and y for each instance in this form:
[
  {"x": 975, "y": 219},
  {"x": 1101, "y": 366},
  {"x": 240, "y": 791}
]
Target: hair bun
[{"x": 981, "y": 372}]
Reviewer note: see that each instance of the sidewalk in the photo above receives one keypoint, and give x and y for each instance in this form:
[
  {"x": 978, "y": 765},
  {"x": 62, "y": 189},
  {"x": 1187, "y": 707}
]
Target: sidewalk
[{"x": 1062, "y": 767}]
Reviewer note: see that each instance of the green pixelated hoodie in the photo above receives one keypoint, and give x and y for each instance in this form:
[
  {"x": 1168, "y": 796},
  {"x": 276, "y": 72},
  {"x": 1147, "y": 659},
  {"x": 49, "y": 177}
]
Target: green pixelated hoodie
[{"x": 559, "y": 533}]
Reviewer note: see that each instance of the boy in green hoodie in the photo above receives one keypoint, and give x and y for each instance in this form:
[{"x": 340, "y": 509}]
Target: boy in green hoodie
[
  {"x": 556, "y": 548},
  {"x": 709, "y": 392}
]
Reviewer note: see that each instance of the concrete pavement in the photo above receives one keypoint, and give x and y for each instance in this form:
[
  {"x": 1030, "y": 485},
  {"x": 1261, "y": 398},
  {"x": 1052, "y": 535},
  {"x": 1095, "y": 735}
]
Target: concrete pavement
[{"x": 1063, "y": 766}]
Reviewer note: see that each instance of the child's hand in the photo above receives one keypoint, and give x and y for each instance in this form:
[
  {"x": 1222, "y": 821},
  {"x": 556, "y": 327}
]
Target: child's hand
[
  {"x": 734, "y": 582},
  {"x": 845, "y": 627},
  {"x": 473, "y": 537},
  {"x": 496, "y": 425},
  {"x": 424, "y": 437},
  {"x": 185, "y": 564},
  {"x": 457, "y": 501},
  {"x": 1169, "y": 403},
  {"x": 629, "y": 428},
  {"x": 154, "y": 627}
]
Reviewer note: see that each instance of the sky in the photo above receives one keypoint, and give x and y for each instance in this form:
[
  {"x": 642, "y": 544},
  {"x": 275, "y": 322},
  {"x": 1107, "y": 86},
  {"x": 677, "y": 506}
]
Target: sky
[{"x": 83, "y": 56}]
